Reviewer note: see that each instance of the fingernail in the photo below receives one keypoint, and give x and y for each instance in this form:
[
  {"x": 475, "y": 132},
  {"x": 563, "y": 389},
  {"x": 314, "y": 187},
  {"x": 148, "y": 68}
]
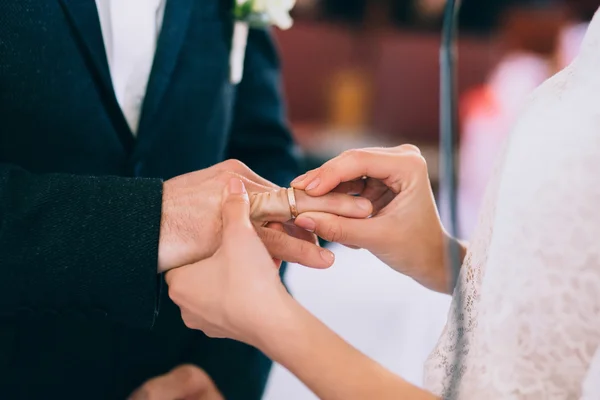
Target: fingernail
[
  {"x": 363, "y": 203},
  {"x": 313, "y": 184},
  {"x": 327, "y": 256},
  {"x": 298, "y": 179},
  {"x": 306, "y": 223},
  {"x": 236, "y": 186}
]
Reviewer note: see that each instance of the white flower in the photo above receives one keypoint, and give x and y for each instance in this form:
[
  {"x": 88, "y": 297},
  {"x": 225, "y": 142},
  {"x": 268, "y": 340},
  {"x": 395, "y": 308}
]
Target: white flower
[{"x": 276, "y": 11}]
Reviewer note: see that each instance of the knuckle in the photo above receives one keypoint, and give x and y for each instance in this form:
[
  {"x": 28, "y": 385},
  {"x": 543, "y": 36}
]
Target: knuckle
[
  {"x": 281, "y": 245},
  {"x": 224, "y": 176},
  {"x": 419, "y": 162},
  {"x": 237, "y": 200},
  {"x": 190, "y": 375},
  {"x": 409, "y": 148},
  {"x": 327, "y": 169},
  {"x": 353, "y": 154},
  {"x": 333, "y": 203},
  {"x": 345, "y": 154},
  {"x": 189, "y": 321},
  {"x": 281, "y": 195},
  {"x": 149, "y": 390},
  {"x": 303, "y": 247},
  {"x": 234, "y": 165},
  {"x": 269, "y": 237},
  {"x": 175, "y": 290},
  {"x": 186, "y": 368},
  {"x": 279, "y": 204},
  {"x": 213, "y": 334},
  {"x": 416, "y": 161},
  {"x": 257, "y": 210},
  {"x": 269, "y": 204},
  {"x": 335, "y": 233}
]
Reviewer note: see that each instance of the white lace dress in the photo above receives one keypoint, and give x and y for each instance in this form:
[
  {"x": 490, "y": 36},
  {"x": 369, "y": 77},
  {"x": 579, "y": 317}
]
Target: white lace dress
[{"x": 531, "y": 282}]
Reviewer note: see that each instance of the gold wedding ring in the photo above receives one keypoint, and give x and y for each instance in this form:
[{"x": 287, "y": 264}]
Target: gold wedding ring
[{"x": 292, "y": 200}]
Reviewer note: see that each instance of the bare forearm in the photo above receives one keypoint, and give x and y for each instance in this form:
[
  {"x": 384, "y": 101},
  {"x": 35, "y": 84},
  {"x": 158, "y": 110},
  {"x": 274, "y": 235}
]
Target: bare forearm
[
  {"x": 328, "y": 365},
  {"x": 438, "y": 275},
  {"x": 450, "y": 280}
]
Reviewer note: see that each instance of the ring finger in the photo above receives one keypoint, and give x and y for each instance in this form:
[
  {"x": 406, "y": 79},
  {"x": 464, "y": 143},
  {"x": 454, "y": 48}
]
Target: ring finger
[{"x": 275, "y": 207}]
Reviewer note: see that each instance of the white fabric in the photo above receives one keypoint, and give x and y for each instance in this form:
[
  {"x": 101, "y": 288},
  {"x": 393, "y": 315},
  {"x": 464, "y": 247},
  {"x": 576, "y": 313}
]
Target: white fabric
[
  {"x": 531, "y": 282},
  {"x": 130, "y": 29}
]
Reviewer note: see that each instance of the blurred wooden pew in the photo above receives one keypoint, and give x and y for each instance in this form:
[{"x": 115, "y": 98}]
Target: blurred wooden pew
[{"x": 401, "y": 67}]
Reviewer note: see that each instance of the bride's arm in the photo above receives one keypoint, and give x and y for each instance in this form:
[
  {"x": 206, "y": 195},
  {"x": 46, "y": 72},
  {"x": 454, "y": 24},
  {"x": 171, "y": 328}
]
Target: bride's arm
[
  {"x": 405, "y": 230},
  {"x": 329, "y": 366},
  {"x": 237, "y": 293}
]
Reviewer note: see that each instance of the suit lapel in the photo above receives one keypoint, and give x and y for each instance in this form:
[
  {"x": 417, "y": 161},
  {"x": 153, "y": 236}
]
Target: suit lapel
[
  {"x": 170, "y": 41},
  {"x": 83, "y": 16}
]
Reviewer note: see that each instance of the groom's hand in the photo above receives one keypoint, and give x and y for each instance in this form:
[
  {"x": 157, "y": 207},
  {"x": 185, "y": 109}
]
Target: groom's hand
[
  {"x": 191, "y": 217},
  {"x": 237, "y": 293},
  {"x": 186, "y": 382}
]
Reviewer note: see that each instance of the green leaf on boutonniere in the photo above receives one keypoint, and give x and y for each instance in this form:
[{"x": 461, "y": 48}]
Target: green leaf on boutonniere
[
  {"x": 242, "y": 12},
  {"x": 264, "y": 13}
]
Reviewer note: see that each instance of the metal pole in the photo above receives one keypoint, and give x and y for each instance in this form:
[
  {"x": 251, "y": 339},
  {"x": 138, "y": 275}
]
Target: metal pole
[{"x": 448, "y": 140}]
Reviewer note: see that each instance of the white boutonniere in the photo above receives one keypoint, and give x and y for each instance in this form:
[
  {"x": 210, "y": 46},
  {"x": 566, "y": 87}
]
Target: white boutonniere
[
  {"x": 255, "y": 14},
  {"x": 264, "y": 13}
]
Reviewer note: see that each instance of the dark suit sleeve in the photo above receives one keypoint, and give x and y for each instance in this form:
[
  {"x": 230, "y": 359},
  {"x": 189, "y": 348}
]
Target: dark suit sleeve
[
  {"x": 85, "y": 244},
  {"x": 260, "y": 134}
]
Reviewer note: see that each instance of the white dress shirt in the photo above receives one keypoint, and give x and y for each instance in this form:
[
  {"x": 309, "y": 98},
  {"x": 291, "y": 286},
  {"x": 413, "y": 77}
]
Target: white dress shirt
[{"x": 130, "y": 29}]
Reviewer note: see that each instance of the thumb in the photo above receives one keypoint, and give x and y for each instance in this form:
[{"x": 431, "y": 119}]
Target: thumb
[
  {"x": 236, "y": 207},
  {"x": 333, "y": 228}
]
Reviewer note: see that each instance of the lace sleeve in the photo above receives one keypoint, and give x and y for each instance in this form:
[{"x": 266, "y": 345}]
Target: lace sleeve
[
  {"x": 539, "y": 316},
  {"x": 531, "y": 286}
]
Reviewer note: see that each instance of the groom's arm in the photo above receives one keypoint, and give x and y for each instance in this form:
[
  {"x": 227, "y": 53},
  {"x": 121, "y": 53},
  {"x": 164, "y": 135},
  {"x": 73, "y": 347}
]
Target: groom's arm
[
  {"x": 85, "y": 243},
  {"x": 260, "y": 135}
]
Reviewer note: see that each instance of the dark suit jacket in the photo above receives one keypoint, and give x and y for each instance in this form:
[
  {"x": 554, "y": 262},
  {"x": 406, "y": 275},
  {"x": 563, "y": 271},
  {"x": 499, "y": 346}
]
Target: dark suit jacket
[{"x": 83, "y": 314}]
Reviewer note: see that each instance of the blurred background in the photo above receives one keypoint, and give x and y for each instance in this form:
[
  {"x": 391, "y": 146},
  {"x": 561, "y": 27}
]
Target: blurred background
[{"x": 362, "y": 73}]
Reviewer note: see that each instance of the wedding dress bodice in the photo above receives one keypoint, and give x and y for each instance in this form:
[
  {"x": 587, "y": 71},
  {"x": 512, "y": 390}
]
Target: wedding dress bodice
[{"x": 530, "y": 286}]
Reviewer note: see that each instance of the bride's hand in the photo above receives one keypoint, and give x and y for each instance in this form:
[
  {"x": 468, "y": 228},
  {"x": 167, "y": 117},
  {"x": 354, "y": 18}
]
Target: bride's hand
[
  {"x": 405, "y": 230},
  {"x": 237, "y": 292}
]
